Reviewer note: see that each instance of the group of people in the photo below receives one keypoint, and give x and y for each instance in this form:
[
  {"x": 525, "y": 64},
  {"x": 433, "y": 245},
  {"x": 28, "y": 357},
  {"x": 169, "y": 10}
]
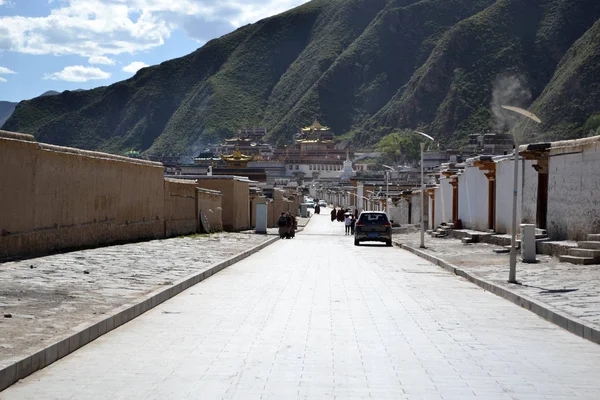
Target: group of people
[
  {"x": 347, "y": 217},
  {"x": 287, "y": 225}
]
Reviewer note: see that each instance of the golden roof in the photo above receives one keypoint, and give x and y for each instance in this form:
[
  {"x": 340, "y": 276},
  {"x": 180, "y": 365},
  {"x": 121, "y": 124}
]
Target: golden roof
[
  {"x": 316, "y": 126},
  {"x": 237, "y": 156},
  {"x": 305, "y": 141}
]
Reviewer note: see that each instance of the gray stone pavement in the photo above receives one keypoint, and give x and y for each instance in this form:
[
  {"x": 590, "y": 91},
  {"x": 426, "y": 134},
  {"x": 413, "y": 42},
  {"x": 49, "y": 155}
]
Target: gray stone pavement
[
  {"x": 319, "y": 318},
  {"x": 48, "y": 296},
  {"x": 572, "y": 289}
]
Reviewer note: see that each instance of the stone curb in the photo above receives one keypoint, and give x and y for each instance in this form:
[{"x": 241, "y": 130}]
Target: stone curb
[
  {"x": 572, "y": 324},
  {"x": 89, "y": 331}
]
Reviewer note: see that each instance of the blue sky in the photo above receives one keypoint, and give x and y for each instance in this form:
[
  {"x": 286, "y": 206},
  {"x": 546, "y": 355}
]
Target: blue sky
[{"x": 81, "y": 44}]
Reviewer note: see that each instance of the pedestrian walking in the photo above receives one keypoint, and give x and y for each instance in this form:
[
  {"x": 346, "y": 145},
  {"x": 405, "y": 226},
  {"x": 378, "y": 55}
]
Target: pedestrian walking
[
  {"x": 333, "y": 214},
  {"x": 352, "y": 225},
  {"x": 282, "y": 225},
  {"x": 289, "y": 224},
  {"x": 348, "y": 222}
]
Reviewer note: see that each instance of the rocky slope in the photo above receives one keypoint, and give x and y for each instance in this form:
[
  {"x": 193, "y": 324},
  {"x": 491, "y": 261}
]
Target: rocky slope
[{"x": 363, "y": 67}]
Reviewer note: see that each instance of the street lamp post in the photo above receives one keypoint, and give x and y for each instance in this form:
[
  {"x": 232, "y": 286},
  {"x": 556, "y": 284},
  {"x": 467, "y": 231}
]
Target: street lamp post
[
  {"x": 512, "y": 273},
  {"x": 423, "y": 188},
  {"x": 387, "y": 187}
]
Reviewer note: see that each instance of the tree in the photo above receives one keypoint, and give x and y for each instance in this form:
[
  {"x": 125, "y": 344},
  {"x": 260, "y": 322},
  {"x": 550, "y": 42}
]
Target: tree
[{"x": 401, "y": 146}]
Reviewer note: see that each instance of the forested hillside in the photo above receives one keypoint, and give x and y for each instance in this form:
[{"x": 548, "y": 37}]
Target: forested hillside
[{"x": 364, "y": 67}]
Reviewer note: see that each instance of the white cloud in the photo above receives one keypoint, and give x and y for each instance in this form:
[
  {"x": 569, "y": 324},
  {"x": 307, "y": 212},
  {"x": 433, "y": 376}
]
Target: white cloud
[
  {"x": 135, "y": 67},
  {"x": 101, "y": 60},
  {"x": 1, "y": 78},
  {"x": 111, "y": 27},
  {"x": 4, "y": 70},
  {"x": 78, "y": 73}
]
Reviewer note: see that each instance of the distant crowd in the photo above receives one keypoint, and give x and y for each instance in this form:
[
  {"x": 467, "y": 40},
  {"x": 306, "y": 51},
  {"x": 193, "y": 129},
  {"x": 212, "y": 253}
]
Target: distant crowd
[{"x": 346, "y": 216}]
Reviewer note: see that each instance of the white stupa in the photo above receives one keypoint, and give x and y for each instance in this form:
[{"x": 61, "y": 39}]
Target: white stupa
[{"x": 347, "y": 171}]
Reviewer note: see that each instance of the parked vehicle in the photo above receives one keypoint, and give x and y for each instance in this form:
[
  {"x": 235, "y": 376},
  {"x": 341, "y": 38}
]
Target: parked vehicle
[
  {"x": 322, "y": 203},
  {"x": 373, "y": 226},
  {"x": 310, "y": 204}
]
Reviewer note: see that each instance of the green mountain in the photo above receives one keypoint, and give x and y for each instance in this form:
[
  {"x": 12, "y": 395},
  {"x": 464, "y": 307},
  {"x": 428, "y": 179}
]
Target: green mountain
[
  {"x": 363, "y": 67},
  {"x": 6, "y": 109}
]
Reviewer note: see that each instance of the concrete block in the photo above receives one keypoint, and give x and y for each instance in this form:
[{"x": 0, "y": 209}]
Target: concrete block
[
  {"x": 51, "y": 353},
  {"x": 578, "y": 329},
  {"x": 38, "y": 360},
  {"x": 570, "y": 325},
  {"x": 101, "y": 327},
  {"x": 63, "y": 348},
  {"x": 74, "y": 342},
  {"x": 595, "y": 335},
  {"x": 528, "y": 248},
  {"x": 93, "y": 332},
  {"x": 24, "y": 368},
  {"x": 587, "y": 333},
  {"x": 118, "y": 319},
  {"x": 8, "y": 376},
  {"x": 84, "y": 337}
]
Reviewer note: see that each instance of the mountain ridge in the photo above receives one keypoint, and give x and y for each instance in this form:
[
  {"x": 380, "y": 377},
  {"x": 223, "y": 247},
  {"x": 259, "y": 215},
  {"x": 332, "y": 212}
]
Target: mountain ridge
[{"x": 364, "y": 67}]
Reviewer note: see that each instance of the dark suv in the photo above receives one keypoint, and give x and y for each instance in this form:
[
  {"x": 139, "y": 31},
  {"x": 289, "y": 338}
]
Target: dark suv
[{"x": 373, "y": 226}]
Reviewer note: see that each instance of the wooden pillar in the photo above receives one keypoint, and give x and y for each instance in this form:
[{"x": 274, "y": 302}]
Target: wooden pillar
[
  {"x": 541, "y": 215},
  {"x": 539, "y": 153},
  {"x": 431, "y": 194},
  {"x": 454, "y": 184},
  {"x": 489, "y": 166}
]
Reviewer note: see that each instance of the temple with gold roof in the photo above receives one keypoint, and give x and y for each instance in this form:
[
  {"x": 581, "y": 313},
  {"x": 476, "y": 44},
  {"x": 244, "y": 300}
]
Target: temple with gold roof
[
  {"x": 313, "y": 153},
  {"x": 249, "y": 141},
  {"x": 237, "y": 164}
]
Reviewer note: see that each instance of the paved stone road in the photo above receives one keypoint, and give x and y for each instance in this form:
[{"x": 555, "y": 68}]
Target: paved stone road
[
  {"x": 572, "y": 289},
  {"x": 316, "y": 317},
  {"x": 49, "y": 296}
]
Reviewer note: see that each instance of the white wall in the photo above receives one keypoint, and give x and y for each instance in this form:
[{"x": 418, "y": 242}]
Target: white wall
[
  {"x": 573, "y": 190},
  {"x": 529, "y": 187},
  {"x": 416, "y": 208},
  {"x": 504, "y": 194},
  {"x": 446, "y": 201},
  {"x": 399, "y": 212},
  {"x": 473, "y": 199},
  {"x": 306, "y": 169}
]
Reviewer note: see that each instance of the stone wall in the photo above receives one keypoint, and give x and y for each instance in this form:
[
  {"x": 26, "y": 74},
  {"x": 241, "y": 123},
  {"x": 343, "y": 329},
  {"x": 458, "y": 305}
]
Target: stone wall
[
  {"x": 236, "y": 204},
  {"x": 180, "y": 207},
  {"x": 210, "y": 203},
  {"x": 56, "y": 198}
]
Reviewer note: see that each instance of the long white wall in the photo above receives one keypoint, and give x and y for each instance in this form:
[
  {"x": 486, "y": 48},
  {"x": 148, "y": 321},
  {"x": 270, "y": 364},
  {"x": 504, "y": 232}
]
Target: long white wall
[
  {"x": 573, "y": 189},
  {"x": 473, "y": 199},
  {"x": 529, "y": 187},
  {"x": 443, "y": 202},
  {"x": 504, "y": 194}
]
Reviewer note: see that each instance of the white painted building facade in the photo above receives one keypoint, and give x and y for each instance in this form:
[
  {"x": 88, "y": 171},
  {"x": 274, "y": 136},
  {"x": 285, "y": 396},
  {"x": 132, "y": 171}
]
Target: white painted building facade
[{"x": 571, "y": 202}]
